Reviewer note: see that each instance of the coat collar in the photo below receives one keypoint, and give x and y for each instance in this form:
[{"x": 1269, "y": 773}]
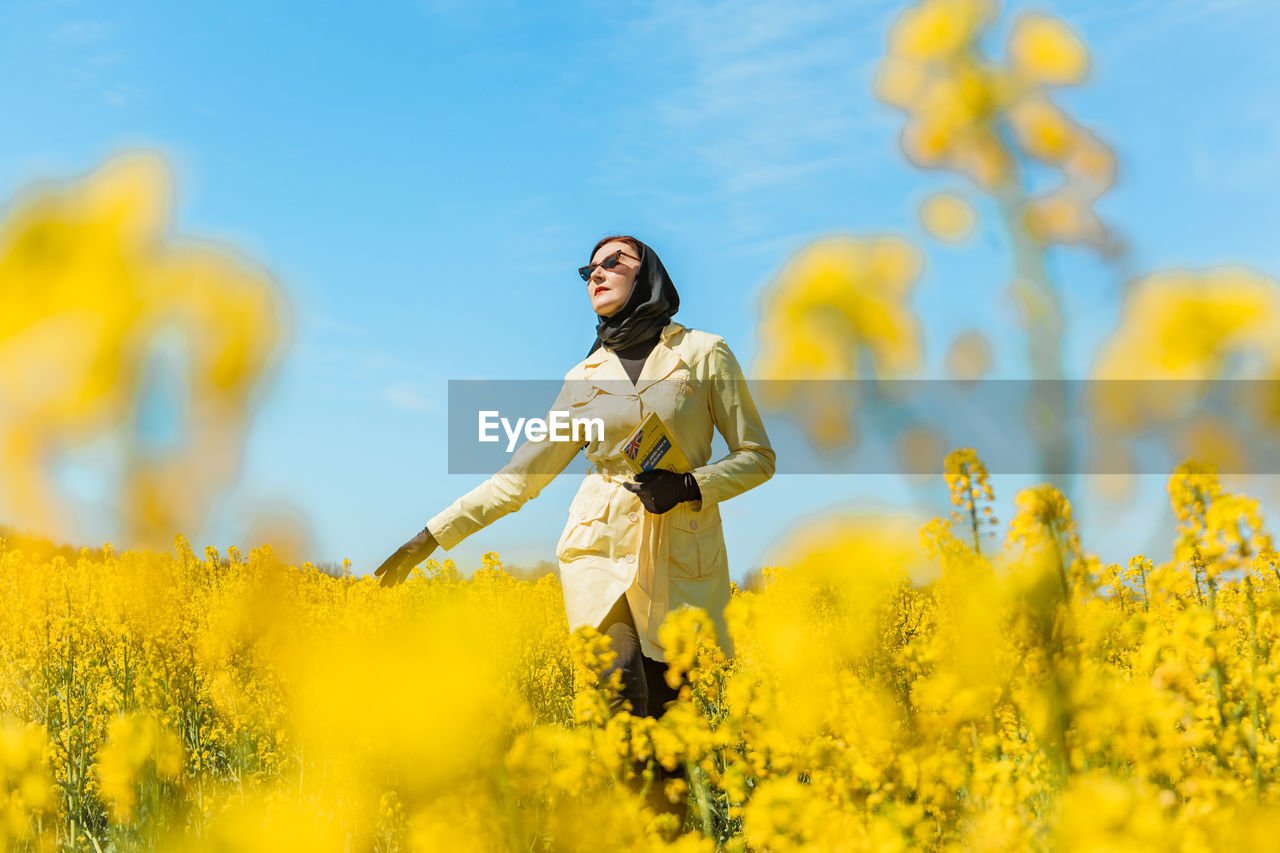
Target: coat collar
[{"x": 605, "y": 370}]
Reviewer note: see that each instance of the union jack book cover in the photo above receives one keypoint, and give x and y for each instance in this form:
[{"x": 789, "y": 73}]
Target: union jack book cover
[{"x": 651, "y": 446}]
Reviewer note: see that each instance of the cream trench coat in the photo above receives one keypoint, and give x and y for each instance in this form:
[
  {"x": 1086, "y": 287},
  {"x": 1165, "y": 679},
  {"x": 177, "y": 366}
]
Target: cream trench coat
[{"x": 611, "y": 545}]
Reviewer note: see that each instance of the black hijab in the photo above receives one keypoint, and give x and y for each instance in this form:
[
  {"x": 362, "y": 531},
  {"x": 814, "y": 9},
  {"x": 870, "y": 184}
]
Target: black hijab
[{"x": 648, "y": 309}]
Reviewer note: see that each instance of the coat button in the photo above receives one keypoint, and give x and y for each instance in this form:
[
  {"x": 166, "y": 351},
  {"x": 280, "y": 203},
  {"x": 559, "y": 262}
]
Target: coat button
[
  {"x": 693, "y": 525},
  {"x": 631, "y": 516},
  {"x": 631, "y": 558}
]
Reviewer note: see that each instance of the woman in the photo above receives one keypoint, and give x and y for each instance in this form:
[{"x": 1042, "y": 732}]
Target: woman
[{"x": 635, "y": 547}]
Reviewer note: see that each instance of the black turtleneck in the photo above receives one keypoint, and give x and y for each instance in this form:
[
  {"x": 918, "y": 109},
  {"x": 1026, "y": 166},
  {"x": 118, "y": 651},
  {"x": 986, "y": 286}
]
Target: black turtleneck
[{"x": 634, "y": 357}]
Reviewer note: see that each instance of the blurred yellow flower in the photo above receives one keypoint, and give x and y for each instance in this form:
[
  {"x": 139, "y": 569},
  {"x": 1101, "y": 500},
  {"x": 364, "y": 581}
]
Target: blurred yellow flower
[
  {"x": 919, "y": 449},
  {"x": 1044, "y": 49},
  {"x": 26, "y": 786},
  {"x": 91, "y": 279},
  {"x": 1063, "y": 217},
  {"x": 135, "y": 742},
  {"x": 969, "y": 356},
  {"x": 1042, "y": 129},
  {"x": 900, "y": 82},
  {"x": 937, "y": 29},
  {"x": 834, "y": 301},
  {"x": 1186, "y": 323},
  {"x": 948, "y": 217}
]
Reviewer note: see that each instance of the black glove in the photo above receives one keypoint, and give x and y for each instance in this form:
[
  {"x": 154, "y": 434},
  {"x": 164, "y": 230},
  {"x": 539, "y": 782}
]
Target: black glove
[
  {"x": 397, "y": 567},
  {"x": 659, "y": 490}
]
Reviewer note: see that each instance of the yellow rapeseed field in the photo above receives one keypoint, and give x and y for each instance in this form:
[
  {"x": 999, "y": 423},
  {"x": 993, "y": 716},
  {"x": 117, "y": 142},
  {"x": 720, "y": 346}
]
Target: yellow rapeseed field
[{"x": 1024, "y": 697}]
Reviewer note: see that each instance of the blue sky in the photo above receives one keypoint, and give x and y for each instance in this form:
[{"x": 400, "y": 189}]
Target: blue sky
[{"x": 423, "y": 178}]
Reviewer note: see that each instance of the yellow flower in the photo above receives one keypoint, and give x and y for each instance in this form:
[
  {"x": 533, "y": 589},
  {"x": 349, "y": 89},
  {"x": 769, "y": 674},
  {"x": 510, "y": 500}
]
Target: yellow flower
[
  {"x": 26, "y": 787},
  {"x": 1045, "y": 50},
  {"x": 833, "y": 301},
  {"x": 1063, "y": 216},
  {"x": 1042, "y": 129},
  {"x": 969, "y": 356},
  {"x": 1185, "y": 323},
  {"x": 135, "y": 741},
  {"x": 900, "y": 82},
  {"x": 947, "y": 216},
  {"x": 935, "y": 30},
  {"x": 91, "y": 280}
]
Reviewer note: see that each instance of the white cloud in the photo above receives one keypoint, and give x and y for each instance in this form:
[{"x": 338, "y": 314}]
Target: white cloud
[
  {"x": 1115, "y": 30},
  {"x": 329, "y": 323},
  {"x": 1242, "y": 157},
  {"x": 344, "y": 360},
  {"x": 768, "y": 92},
  {"x": 404, "y": 396},
  {"x": 87, "y": 51},
  {"x": 80, "y": 32}
]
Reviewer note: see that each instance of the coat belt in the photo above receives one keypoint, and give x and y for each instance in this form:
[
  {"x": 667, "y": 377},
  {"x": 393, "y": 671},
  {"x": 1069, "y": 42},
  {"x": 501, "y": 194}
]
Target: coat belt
[{"x": 611, "y": 474}]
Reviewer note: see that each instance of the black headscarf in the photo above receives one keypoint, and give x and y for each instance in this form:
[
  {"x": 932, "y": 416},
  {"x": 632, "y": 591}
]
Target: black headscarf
[{"x": 648, "y": 309}]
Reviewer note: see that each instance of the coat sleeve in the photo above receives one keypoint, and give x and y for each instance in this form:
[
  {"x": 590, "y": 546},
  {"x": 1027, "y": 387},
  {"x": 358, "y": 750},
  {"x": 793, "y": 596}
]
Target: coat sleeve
[
  {"x": 533, "y": 465},
  {"x": 750, "y": 460}
]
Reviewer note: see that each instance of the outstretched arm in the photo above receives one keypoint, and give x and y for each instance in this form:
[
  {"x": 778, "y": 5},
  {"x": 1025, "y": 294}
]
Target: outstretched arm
[
  {"x": 533, "y": 465},
  {"x": 396, "y": 568}
]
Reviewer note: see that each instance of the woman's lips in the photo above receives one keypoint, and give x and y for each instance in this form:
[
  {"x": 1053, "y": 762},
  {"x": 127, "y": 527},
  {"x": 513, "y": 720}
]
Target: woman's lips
[{"x": 600, "y": 288}]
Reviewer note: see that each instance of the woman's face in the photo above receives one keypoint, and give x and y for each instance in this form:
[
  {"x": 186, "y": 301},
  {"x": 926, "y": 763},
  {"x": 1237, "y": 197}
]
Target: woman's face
[{"x": 609, "y": 289}]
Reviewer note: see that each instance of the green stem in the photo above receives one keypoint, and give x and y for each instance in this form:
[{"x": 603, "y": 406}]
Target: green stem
[{"x": 1042, "y": 314}]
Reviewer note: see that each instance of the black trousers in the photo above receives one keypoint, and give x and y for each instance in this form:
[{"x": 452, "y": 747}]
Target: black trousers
[{"x": 644, "y": 682}]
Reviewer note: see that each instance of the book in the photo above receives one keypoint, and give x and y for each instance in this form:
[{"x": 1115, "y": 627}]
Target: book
[{"x": 651, "y": 446}]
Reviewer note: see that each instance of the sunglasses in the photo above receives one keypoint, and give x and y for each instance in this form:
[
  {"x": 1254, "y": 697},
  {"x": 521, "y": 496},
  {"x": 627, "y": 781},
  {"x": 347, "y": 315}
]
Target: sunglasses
[{"x": 607, "y": 263}]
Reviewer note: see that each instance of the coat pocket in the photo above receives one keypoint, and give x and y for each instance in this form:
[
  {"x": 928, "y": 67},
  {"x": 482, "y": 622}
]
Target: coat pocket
[
  {"x": 697, "y": 543},
  {"x": 586, "y": 532}
]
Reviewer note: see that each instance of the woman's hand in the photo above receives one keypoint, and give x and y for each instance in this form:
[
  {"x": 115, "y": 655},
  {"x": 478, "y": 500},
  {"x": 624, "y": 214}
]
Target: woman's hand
[
  {"x": 660, "y": 490},
  {"x": 397, "y": 567}
]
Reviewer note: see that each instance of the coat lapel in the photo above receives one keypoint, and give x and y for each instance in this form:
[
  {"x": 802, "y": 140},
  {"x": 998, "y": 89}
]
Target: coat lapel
[
  {"x": 603, "y": 369},
  {"x": 662, "y": 362}
]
